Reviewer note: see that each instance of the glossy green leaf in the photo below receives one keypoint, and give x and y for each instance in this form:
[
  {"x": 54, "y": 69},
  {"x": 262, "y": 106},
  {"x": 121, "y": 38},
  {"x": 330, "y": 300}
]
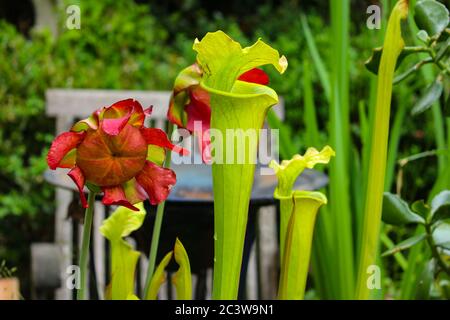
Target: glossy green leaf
[
  {"x": 431, "y": 95},
  {"x": 397, "y": 212},
  {"x": 441, "y": 235},
  {"x": 123, "y": 258},
  {"x": 431, "y": 16},
  {"x": 423, "y": 36},
  {"x": 159, "y": 277},
  {"x": 440, "y": 206},
  {"x": 182, "y": 279},
  {"x": 425, "y": 281},
  {"x": 421, "y": 208},
  {"x": 442, "y": 49},
  {"x": 241, "y": 107},
  {"x": 373, "y": 63},
  {"x": 406, "y": 244},
  {"x": 287, "y": 173}
]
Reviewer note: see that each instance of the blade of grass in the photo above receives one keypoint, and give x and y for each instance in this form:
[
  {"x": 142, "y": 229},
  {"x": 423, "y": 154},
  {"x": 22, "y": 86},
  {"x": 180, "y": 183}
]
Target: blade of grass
[
  {"x": 318, "y": 62},
  {"x": 416, "y": 262},
  {"x": 394, "y": 139},
  {"x": 340, "y": 208},
  {"x": 324, "y": 250},
  {"x": 312, "y": 131}
]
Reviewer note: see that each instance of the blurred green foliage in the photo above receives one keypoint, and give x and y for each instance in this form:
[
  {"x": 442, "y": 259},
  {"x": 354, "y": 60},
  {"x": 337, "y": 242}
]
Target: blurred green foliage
[{"x": 126, "y": 45}]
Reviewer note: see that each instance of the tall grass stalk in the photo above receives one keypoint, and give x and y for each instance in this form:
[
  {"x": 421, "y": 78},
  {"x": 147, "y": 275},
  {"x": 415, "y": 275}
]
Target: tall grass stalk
[
  {"x": 393, "y": 45},
  {"x": 333, "y": 261},
  {"x": 312, "y": 129},
  {"x": 340, "y": 208}
]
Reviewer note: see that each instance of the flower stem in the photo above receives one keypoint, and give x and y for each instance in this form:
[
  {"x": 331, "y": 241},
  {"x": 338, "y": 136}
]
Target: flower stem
[
  {"x": 83, "y": 263},
  {"x": 157, "y": 227}
]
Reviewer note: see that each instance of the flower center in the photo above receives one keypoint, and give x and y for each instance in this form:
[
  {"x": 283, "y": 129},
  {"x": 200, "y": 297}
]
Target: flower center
[{"x": 112, "y": 160}]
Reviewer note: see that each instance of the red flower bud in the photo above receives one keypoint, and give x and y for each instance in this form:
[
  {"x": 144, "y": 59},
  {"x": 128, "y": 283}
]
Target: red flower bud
[{"x": 110, "y": 150}]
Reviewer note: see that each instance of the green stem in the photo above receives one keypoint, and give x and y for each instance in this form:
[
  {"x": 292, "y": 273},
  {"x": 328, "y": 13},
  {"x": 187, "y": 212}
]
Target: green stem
[
  {"x": 84, "y": 254},
  {"x": 157, "y": 227}
]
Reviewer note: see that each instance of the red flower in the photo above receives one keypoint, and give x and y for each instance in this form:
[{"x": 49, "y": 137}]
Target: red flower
[
  {"x": 190, "y": 103},
  {"x": 114, "y": 151}
]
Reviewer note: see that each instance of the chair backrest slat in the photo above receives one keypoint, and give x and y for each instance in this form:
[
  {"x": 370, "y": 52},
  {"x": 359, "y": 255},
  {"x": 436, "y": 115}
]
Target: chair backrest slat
[{"x": 79, "y": 103}]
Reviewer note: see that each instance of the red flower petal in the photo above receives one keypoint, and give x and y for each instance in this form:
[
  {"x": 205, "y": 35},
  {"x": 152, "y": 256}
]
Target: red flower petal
[
  {"x": 159, "y": 138},
  {"x": 176, "y": 109},
  {"x": 121, "y": 108},
  {"x": 77, "y": 176},
  {"x": 255, "y": 76},
  {"x": 69, "y": 159},
  {"x": 62, "y": 144},
  {"x": 112, "y": 160},
  {"x": 148, "y": 111},
  {"x": 198, "y": 110},
  {"x": 113, "y": 126},
  {"x": 116, "y": 196},
  {"x": 85, "y": 124},
  {"x": 156, "y": 181},
  {"x": 138, "y": 115},
  {"x": 205, "y": 147}
]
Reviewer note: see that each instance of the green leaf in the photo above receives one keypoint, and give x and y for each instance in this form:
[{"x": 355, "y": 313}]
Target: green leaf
[
  {"x": 373, "y": 63},
  {"x": 288, "y": 170},
  {"x": 423, "y": 36},
  {"x": 234, "y": 105},
  {"x": 431, "y": 16},
  {"x": 288, "y": 143},
  {"x": 182, "y": 279},
  {"x": 287, "y": 173},
  {"x": 297, "y": 245},
  {"x": 393, "y": 46},
  {"x": 442, "y": 49},
  {"x": 406, "y": 244},
  {"x": 124, "y": 259},
  {"x": 122, "y": 222},
  {"x": 132, "y": 297},
  {"x": 440, "y": 206},
  {"x": 397, "y": 212},
  {"x": 421, "y": 208},
  {"x": 441, "y": 235},
  {"x": 158, "y": 278},
  {"x": 411, "y": 70},
  {"x": 425, "y": 281},
  {"x": 431, "y": 94},
  {"x": 223, "y": 60}
]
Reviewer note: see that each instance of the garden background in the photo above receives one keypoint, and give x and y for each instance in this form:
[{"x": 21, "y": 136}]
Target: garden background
[{"x": 143, "y": 45}]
